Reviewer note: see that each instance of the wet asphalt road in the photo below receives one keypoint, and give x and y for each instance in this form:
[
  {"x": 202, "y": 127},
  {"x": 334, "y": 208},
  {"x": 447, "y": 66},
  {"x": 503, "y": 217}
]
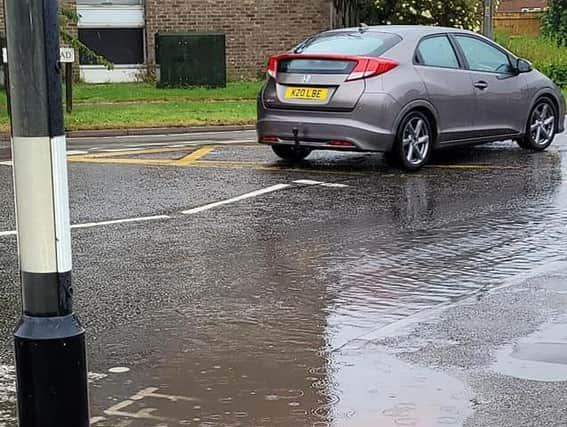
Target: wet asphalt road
[{"x": 287, "y": 308}]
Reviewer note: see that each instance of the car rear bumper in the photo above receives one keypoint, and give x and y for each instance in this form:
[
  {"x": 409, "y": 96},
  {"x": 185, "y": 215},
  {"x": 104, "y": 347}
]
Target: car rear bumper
[{"x": 367, "y": 128}]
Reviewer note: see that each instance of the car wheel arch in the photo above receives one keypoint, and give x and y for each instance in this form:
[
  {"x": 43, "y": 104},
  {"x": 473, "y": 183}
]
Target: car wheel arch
[{"x": 426, "y": 108}]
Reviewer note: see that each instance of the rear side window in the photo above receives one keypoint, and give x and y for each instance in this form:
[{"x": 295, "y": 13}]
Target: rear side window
[
  {"x": 437, "y": 52},
  {"x": 352, "y": 43}
]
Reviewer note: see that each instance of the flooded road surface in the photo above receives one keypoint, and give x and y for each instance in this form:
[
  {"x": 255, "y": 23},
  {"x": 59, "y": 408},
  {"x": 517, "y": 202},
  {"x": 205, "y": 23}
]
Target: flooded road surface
[{"x": 256, "y": 293}]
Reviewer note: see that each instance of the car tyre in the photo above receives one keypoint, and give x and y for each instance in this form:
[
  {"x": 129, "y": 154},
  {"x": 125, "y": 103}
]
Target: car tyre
[
  {"x": 291, "y": 153},
  {"x": 414, "y": 142},
  {"x": 541, "y": 126}
]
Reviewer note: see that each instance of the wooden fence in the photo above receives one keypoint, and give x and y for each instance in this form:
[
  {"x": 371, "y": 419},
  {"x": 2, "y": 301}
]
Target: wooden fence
[{"x": 518, "y": 24}]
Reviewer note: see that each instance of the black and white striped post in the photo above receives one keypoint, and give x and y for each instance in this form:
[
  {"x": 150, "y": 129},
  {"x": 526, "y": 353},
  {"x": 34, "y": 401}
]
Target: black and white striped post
[{"x": 49, "y": 340}]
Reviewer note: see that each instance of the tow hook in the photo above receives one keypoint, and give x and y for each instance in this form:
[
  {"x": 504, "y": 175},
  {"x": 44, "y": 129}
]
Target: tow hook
[{"x": 296, "y": 136}]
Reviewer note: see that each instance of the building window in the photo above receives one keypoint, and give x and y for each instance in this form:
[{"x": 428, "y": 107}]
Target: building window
[{"x": 118, "y": 45}]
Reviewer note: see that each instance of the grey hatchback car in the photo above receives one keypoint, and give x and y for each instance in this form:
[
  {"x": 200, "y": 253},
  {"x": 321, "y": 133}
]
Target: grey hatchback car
[{"x": 404, "y": 91}]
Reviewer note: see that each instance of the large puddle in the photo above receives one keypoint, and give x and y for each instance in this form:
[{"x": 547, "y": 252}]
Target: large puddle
[
  {"x": 541, "y": 356},
  {"x": 265, "y": 340}
]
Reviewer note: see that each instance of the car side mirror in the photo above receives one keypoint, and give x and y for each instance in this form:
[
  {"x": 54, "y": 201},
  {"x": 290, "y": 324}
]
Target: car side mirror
[{"x": 523, "y": 66}]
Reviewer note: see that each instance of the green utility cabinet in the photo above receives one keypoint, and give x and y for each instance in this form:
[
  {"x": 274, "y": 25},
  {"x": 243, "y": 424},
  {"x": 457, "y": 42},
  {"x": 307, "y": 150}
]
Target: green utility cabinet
[{"x": 191, "y": 59}]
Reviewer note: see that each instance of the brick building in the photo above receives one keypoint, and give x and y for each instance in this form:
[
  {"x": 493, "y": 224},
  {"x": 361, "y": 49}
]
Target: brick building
[
  {"x": 515, "y": 6},
  {"x": 124, "y": 30}
]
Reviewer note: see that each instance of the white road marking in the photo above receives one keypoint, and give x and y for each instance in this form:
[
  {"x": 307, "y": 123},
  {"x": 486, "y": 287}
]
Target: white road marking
[
  {"x": 307, "y": 182},
  {"x": 322, "y": 184},
  {"x": 98, "y": 224},
  {"x": 199, "y": 209},
  {"x": 119, "y": 370},
  {"x": 69, "y": 153},
  {"x": 142, "y": 414},
  {"x": 250, "y": 195},
  {"x": 93, "y": 377},
  {"x": 146, "y": 413},
  {"x": 333, "y": 185},
  {"x": 119, "y": 150},
  {"x": 121, "y": 221},
  {"x": 151, "y": 392}
]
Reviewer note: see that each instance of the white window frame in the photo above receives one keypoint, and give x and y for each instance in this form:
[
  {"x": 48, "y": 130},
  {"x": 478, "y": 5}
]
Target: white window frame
[{"x": 111, "y": 16}]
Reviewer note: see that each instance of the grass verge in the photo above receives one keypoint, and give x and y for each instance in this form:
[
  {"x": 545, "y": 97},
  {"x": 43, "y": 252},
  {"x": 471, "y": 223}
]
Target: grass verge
[
  {"x": 121, "y": 106},
  {"x": 171, "y": 114},
  {"x": 135, "y": 92}
]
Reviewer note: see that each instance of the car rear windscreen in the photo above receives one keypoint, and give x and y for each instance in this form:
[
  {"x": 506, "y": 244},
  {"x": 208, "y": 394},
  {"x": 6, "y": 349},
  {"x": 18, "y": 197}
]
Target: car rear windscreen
[
  {"x": 315, "y": 66},
  {"x": 352, "y": 43}
]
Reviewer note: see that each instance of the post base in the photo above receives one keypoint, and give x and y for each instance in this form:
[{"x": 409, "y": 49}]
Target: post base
[{"x": 51, "y": 369}]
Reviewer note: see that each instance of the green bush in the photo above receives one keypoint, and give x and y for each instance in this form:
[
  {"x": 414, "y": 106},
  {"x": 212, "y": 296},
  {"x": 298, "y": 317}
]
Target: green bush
[
  {"x": 543, "y": 53},
  {"x": 554, "y": 23}
]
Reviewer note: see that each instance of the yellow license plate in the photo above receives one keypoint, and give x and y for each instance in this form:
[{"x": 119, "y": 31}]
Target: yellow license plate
[{"x": 315, "y": 94}]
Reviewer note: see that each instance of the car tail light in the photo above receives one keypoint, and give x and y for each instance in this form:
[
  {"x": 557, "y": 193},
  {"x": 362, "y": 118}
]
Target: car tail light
[
  {"x": 273, "y": 66},
  {"x": 341, "y": 143},
  {"x": 371, "y": 67},
  {"x": 270, "y": 138},
  {"x": 365, "y": 67}
]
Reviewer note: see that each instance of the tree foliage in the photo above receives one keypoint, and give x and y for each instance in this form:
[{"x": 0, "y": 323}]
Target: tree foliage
[
  {"x": 347, "y": 12},
  {"x": 452, "y": 13},
  {"x": 554, "y": 24}
]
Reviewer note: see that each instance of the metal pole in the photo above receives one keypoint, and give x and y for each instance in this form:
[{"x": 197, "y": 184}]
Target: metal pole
[
  {"x": 51, "y": 366},
  {"x": 488, "y": 27},
  {"x": 7, "y": 85},
  {"x": 69, "y": 86}
]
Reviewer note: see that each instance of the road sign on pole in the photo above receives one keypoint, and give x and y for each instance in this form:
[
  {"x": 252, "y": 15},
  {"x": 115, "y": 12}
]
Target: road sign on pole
[
  {"x": 488, "y": 27},
  {"x": 51, "y": 366}
]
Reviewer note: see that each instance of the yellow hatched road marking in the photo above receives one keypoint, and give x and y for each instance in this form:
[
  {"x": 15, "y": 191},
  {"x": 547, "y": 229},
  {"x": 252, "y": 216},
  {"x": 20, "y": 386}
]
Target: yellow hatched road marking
[
  {"x": 149, "y": 162},
  {"x": 184, "y": 161},
  {"x": 127, "y": 152},
  {"x": 195, "y": 159}
]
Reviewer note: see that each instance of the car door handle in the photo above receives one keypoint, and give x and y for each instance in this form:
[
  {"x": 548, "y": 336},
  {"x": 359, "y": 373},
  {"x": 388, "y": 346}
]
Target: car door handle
[{"x": 481, "y": 85}]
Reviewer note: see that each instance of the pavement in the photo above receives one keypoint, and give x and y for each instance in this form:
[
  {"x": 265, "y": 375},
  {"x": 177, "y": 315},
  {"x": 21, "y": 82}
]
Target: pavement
[{"x": 221, "y": 286}]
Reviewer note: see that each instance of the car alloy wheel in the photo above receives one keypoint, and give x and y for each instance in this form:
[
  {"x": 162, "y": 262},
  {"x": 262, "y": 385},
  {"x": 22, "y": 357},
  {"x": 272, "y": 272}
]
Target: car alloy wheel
[
  {"x": 542, "y": 125},
  {"x": 414, "y": 142}
]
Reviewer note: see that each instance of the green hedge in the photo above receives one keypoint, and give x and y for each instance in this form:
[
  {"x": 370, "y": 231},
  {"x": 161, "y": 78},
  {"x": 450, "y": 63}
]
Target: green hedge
[{"x": 544, "y": 54}]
